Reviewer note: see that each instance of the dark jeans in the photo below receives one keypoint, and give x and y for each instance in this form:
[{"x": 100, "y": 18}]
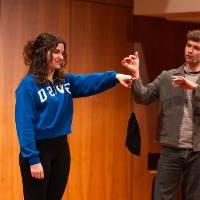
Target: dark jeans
[
  {"x": 178, "y": 168},
  {"x": 55, "y": 159}
]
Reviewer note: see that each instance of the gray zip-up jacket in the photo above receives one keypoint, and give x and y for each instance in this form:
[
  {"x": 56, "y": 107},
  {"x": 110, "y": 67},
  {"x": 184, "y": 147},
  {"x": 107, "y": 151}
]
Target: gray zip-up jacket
[{"x": 171, "y": 106}]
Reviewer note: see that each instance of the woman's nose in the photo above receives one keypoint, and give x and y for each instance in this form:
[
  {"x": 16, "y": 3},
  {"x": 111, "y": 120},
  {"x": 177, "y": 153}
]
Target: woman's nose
[{"x": 61, "y": 56}]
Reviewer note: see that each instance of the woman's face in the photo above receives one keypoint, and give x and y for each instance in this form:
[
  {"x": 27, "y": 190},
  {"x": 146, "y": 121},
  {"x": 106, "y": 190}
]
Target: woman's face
[{"x": 57, "y": 58}]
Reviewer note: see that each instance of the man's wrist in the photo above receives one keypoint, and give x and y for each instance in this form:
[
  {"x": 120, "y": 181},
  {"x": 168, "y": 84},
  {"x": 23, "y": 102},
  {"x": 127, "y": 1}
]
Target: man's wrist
[
  {"x": 196, "y": 86},
  {"x": 136, "y": 76}
]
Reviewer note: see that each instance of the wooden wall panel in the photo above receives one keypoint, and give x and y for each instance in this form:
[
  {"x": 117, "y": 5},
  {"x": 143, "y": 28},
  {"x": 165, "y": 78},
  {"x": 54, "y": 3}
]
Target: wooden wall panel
[
  {"x": 128, "y": 3},
  {"x": 100, "y": 38},
  {"x": 20, "y": 21},
  {"x": 162, "y": 42}
]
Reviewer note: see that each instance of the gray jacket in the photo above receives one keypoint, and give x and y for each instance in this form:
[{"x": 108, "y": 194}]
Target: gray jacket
[{"x": 171, "y": 106}]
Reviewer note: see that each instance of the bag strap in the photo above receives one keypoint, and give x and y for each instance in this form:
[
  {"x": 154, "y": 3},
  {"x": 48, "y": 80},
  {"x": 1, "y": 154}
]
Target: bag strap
[{"x": 132, "y": 103}]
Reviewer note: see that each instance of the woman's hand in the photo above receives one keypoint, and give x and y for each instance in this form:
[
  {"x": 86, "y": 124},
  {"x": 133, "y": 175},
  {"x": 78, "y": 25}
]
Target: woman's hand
[
  {"x": 37, "y": 171},
  {"x": 125, "y": 80},
  {"x": 132, "y": 64},
  {"x": 181, "y": 82}
]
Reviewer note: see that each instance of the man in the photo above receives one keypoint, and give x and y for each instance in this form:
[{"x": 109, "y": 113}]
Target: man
[{"x": 179, "y": 121}]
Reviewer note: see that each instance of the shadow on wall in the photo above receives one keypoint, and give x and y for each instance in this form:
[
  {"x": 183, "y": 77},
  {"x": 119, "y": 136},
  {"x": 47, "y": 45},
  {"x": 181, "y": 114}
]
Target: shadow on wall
[{"x": 162, "y": 42}]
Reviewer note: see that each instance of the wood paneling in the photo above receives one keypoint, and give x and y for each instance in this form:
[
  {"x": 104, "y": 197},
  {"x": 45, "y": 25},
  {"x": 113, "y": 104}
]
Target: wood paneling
[
  {"x": 101, "y": 168},
  {"x": 162, "y": 42},
  {"x": 20, "y": 21},
  {"x": 128, "y": 3},
  {"x": 100, "y": 39}
]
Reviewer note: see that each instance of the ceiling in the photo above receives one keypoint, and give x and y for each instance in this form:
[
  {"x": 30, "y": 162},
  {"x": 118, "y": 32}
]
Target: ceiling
[{"x": 178, "y": 10}]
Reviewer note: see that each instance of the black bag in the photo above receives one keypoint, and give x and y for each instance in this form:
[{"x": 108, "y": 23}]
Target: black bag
[{"x": 133, "y": 138}]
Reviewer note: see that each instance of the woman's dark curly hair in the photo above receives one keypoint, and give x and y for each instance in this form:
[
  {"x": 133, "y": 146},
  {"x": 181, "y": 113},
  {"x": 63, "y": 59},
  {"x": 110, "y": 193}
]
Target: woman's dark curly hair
[{"x": 35, "y": 56}]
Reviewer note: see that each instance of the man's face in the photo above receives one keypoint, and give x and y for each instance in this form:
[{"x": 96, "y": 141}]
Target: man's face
[{"x": 192, "y": 52}]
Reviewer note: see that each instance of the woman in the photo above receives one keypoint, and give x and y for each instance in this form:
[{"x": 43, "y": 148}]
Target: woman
[{"x": 43, "y": 114}]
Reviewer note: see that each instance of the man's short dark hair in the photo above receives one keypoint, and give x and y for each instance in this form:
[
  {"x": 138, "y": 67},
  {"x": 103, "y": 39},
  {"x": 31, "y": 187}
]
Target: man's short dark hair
[{"x": 194, "y": 35}]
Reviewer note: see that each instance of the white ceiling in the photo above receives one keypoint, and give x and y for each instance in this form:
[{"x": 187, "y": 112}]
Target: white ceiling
[{"x": 179, "y": 10}]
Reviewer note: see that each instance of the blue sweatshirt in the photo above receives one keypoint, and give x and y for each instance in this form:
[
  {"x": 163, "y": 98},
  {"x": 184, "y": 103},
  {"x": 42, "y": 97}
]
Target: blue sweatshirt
[{"x": 44, "y": 112}]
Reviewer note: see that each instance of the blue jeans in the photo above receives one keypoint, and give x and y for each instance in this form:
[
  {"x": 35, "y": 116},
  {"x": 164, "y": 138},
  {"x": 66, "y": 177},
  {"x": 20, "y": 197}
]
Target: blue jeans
[{"x": 178, "y": 168}]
